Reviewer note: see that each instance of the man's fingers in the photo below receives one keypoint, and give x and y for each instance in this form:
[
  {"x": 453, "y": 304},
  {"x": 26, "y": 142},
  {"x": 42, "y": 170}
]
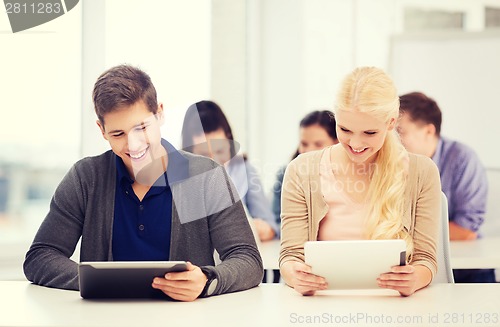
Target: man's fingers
[{"x": 171, "y": 284}]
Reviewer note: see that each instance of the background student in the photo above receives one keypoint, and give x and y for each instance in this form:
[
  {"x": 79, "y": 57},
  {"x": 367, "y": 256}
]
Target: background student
[
  {"x": 362, "y": 188},
  {"x": 206, "y": 131},
  {"x": 316, "y": 131},
  {"x": 121, "y": 204},
  {"x": 463, "y": 177}
]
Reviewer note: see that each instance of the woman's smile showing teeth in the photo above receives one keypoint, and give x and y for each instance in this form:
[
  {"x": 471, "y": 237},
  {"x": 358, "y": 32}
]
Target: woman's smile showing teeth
[{"x": 357, "y": 151}]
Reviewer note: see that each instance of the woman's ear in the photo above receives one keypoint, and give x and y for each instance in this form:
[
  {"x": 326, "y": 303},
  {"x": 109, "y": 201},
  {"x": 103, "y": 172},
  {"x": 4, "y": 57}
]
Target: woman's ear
[{"x": 392, "y": 124}]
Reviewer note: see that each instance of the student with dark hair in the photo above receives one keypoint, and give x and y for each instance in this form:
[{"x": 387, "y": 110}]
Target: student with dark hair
[
  {"x": 145, "y": 201},
  {"x": 463, "y": 177},
  {"x": 316, "y": 131},
  {"x": 206, "y": 131}
]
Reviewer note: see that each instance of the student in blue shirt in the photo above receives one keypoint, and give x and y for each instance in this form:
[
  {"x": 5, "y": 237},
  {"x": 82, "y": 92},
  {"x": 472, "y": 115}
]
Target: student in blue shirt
[
  {"x": 145, "y": 201},
  {"x": 463, "y": 177},
  {"x": 206, "y": 131}
]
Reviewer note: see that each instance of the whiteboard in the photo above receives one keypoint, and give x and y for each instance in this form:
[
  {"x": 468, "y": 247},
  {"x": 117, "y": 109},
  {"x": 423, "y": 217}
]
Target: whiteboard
[{"x": 461, "y": 71}]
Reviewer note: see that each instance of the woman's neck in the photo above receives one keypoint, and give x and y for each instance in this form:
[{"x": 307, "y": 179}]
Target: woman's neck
[{"x": 341, "y": 163}]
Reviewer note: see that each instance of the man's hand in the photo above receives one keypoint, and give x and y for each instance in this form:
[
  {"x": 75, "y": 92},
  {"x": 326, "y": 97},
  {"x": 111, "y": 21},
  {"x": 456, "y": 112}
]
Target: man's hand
[
  {"x": 459, "y": 233},
  {"x": 183, "y": 286}
]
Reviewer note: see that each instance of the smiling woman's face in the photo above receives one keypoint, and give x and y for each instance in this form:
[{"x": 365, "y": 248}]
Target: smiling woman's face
[{"x": 361, "y": 135}]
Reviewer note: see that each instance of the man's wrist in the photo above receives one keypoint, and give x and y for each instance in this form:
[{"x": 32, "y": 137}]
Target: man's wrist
[{"x": 211, "y": 283}]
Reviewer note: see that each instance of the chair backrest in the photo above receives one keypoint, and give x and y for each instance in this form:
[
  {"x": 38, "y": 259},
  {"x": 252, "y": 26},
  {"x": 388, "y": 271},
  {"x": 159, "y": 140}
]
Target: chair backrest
[
  {"x": 444, "y": 273},
  {"x": 491, "y": 225}
]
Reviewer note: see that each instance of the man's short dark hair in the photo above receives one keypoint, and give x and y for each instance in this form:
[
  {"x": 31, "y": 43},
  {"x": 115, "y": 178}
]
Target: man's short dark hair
[
  {"x": 123, "y": 85},
  {"x": 421, "y": 108}
]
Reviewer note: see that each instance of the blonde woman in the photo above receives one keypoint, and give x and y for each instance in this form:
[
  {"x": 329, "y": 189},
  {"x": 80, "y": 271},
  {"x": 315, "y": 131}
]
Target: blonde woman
[{"x": 365, "y": 187}]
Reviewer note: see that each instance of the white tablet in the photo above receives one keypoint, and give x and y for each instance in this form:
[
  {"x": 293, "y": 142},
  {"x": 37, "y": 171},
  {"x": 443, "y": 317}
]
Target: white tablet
[
  {"x": 354, "y": 264},
  {"x": 124, "y": 279}
]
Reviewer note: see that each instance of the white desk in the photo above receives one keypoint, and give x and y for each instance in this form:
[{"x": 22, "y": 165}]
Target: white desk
[
  {"x": 477, "y": 254},
  {"x": 23, "y": 304},
  {"x": 270, "y": 253}
]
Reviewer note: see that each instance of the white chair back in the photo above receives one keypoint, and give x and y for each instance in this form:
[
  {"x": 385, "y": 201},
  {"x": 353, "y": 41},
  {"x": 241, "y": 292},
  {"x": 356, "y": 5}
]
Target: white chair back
[
  {"x": 444, "y": 273},
  {"x": 491, "y": 225}
]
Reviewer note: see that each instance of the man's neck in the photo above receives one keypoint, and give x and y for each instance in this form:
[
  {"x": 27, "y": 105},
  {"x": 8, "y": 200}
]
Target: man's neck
[
  {"x": 433, "y": 143},
  {"x": 150, "y": 174}
]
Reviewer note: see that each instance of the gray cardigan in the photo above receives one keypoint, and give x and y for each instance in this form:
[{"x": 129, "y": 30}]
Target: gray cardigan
[{"x": 83, "y": 206}]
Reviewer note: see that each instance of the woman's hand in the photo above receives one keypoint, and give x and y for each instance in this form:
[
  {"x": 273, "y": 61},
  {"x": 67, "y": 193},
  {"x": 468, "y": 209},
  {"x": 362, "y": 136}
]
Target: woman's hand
[
  {"x": 265, "y": 231},
  {"x": 405, "y": 279},
  {"x": 183, "y": 286},
  {"x": 299, "y": 276}
]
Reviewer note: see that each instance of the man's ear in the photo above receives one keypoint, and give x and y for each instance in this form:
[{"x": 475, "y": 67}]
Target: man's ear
[
  {"x": 160, "y": 114},
  {"x": 101, "y": 127},
  {"x": 430, "y": 130}
]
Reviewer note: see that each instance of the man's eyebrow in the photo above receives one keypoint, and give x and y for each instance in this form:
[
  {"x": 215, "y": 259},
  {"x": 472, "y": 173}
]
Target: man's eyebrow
[
  {"x": 115, "y": 131},
  {"x": 119, "y": 130}
]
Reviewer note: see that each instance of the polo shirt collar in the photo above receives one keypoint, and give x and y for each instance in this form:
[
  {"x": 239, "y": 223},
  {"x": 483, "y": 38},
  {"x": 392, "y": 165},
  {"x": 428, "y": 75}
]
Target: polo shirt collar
[{"x": 436, "y": 157}]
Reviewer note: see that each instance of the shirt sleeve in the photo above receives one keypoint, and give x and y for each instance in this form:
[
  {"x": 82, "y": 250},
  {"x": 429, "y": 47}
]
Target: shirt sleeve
[
  {"x": 256, "y": 201},
  {"x": 469, "y": 192},
  {"x": 276, "y": 204}
]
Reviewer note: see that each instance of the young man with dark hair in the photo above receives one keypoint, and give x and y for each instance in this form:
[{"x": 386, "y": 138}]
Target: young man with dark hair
[
  {"x": 145, "y": 201},
  {"x": 463, "y": 177}
]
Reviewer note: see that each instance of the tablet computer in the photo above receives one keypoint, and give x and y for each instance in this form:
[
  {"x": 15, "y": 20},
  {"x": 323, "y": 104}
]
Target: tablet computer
[
  {"x": 124, "y": 279},
  {"x": 354, "y": 264}
]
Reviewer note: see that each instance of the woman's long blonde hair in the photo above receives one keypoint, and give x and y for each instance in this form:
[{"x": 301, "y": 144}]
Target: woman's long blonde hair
[{"x": 370, "y": 90}]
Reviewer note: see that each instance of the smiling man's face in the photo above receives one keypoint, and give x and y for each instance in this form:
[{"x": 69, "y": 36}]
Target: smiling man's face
[{"x": 133, "y": 132}]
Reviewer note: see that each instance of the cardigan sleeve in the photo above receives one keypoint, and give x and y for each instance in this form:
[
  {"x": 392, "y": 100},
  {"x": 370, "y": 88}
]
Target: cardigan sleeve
[
  {"x": 294, "y": 212},
  {"x": 47, "y": 261},
  {"x": 427, "y": 215},
  {"x": 230, "y": 233}
]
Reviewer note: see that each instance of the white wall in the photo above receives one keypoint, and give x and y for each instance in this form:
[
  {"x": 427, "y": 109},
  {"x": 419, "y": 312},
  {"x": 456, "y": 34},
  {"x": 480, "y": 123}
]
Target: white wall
[
  {"x": 39, "y": 69},
  {"x": 169, "y": 39},
  {"x": 281, "y": 83},
  {"x": 228, "y": 78}
]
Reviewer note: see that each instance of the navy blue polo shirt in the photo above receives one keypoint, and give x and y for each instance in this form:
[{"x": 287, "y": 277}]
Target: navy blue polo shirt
[{"x": 141, "y": 229}]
